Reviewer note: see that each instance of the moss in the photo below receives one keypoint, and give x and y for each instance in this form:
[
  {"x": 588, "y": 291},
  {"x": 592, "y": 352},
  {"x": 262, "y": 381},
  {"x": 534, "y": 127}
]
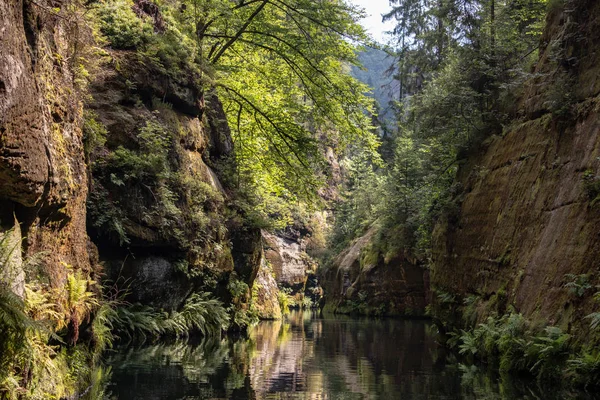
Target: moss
[
  {"x": 94, "y": 133},
  {"x": 504, "y": 259},
  {"x": 498, "y": 302},
  {"x": 369, "y": 256}
]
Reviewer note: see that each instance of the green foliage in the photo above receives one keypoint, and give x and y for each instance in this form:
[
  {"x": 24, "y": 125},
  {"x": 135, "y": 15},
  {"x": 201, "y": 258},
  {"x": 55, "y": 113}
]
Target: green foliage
[
  {"x": 147, "y": 165},
  {"x": 510, "y": 342},
  {"x": 143, "y": 185},
  {"x": 362, "y": 200},
  {"x": 106, "y": 214},
  {"x": 578, "y": 285},
  {"x": 78, "y": 302},
  {"x": 460, "y": 67},
  {"x": 238, "y": 289},
  {"x": 594, "y": 320},
  {"x": 586, "y": 367},
  {"x": 284, "y": 302},
  {"x": 242, "y": 311},
  {"x": 29, "y": 366},
  {"x": 137, "y": 322},
  {"x": 591, "y": 186},
  {"x": 595, "y": 316},
  {"x": 243, "y": 317},
  {"x": 94, "y": 132},
  {"x": 200, "y": 314},
  {"x": 121, "y": 26},
  {"x": 445, "y": 297},
  {"x": 307, "y": 303},
  {"x": 280, "y": 69},
  {"x": 32, "y": 367},
  {"x": 284, "y": 90},
  {"x": 103, "y": 327},
  {"x": 13, "y": 326},
  {"x": 552, "y": 350},
  {"x": 146, "y": 176}
]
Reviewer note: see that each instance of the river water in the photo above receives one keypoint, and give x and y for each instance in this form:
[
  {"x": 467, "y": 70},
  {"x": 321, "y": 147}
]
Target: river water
[{"x": 309, "y": 357}]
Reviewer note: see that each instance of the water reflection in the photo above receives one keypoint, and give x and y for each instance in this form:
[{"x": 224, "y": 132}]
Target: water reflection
[{"x": 306, "y": 357}]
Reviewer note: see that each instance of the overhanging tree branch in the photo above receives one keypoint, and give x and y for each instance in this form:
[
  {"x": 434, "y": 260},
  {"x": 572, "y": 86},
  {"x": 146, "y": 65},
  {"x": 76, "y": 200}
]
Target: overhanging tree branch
[
  {"x": 240, "y": 31},
  {"x": 280, "y": 132}
]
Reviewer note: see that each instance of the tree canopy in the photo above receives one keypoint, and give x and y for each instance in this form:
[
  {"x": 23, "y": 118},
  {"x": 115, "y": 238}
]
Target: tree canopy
[{"x": 280, "y": 68}]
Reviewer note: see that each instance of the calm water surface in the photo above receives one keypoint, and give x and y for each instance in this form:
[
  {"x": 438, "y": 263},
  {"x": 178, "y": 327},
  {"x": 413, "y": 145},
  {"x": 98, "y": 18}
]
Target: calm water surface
[{"x": 307, "y": 357}]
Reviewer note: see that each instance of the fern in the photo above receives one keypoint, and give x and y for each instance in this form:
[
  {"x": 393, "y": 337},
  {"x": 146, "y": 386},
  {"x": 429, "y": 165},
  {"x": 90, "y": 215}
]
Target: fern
[
  {"x": 13, "y": 325},
  {"x": 103, "y": 326},
  {"x": 469, "y": 344},
  {"x": 578, "y": 285},
  {"x": 587, "y": 367},
  {"x": 12, "y": 311},
  {"x": 199, "y": 314},
  {"x": 79, "y": 302},
  {"x": 205, "y": 315},
  {"x": 595, "y": 320},
  {"x": 552, "y": 350},
  {"x": 137, "y": 321}
]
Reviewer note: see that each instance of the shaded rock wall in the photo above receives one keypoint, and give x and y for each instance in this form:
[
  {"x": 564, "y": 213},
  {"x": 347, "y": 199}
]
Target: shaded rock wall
[
  {"x": 361, "y": 280},
  {"x": 173, "y": 231},
  {"x": 527, "y": 216},
  {"x": 43, "y": 180}
]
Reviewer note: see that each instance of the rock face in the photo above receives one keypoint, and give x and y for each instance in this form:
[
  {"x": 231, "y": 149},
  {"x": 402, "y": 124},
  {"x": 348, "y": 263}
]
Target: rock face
[
  {"x": 294, "y": 269},
  {"x": 528, "y": 214},
  {"x": 288, "y": 259},
  {"x": 159, "y": 208},
  {"x": 264, "y": 294},
  {"x": 362, "y": 281},
  {"x": 43, "y": 180},
  {"x": 157, "y": 151}
]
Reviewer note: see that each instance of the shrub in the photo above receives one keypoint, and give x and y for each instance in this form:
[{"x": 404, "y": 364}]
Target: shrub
[{"x": 121, "y": 26}]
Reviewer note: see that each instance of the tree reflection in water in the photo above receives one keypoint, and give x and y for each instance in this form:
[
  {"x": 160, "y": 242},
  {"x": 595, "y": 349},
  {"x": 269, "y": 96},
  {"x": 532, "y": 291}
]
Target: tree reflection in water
[{"x": 306, "y": 357}]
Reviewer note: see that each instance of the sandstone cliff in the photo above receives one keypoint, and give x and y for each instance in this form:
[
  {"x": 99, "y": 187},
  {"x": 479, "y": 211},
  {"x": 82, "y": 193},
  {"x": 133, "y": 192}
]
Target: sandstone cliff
[
  {"x": 362, "y": 280},
  {"x": 159, "y": 208},
  {"x": 147, "y": 154},
  {"x": 528, "y": 216},
  {"x": 43, "y": 180}
]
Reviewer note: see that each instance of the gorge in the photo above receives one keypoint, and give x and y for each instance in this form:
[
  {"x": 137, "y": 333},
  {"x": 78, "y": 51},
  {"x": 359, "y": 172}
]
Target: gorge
[{"x": 178, "y": 170}]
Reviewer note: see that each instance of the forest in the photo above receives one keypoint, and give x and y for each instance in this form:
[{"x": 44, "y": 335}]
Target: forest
[{"x": 201, "y": 184}]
